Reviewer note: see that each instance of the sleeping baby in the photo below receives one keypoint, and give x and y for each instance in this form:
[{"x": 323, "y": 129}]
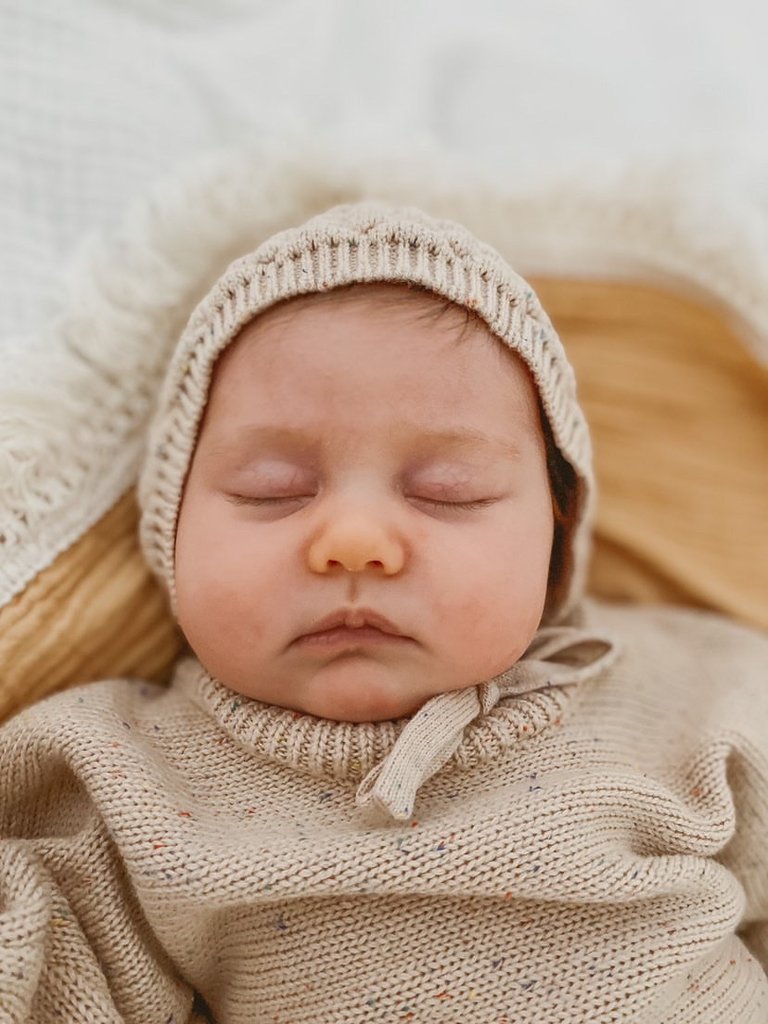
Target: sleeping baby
[{"x": 404, "y": 770}]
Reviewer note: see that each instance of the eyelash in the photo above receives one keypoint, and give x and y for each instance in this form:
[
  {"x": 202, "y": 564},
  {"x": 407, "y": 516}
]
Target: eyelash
[
  {"x": 241, "y": 499},
  {"x": 469, "y": 506},
  {"x": 466, "y": 506}
]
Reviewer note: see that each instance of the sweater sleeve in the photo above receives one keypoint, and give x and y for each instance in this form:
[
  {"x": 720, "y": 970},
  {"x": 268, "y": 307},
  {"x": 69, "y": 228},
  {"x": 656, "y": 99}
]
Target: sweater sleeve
[
  {"x": 74, "y": 943},
  {"x": 746, "y": 855}
]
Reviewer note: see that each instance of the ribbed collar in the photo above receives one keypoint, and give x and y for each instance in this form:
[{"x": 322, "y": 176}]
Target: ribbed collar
[{"x": 390, "y": 760}]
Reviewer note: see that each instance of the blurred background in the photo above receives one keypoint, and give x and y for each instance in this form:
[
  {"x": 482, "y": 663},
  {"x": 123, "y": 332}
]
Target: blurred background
[{"x": 99, "y": 97}]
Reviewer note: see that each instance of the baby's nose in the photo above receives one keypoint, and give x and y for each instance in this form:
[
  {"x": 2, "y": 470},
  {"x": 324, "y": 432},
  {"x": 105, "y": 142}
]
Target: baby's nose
[{"x": 355, "y": 543}]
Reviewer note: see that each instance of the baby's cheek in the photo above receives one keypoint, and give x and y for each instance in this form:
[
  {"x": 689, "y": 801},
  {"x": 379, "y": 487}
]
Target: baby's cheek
[
  {"x": 468, "y": 624},
  {"x": 493, "y": 609}
]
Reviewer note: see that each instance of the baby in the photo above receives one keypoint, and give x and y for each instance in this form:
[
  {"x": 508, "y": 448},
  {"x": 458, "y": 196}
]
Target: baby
[{"x": 405, "y": 771}]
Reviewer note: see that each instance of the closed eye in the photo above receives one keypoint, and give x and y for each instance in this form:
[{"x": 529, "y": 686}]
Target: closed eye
[
  {"x": 242, "y": 499},
  {"x": 450, "y": 506},
  {"x": 434, "y": 503}
]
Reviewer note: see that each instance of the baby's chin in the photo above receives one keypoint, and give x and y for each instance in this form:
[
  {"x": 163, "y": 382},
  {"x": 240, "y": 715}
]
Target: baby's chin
[
  {"x": 357, "y": 689},
  {"x": 354, "y": 688}
]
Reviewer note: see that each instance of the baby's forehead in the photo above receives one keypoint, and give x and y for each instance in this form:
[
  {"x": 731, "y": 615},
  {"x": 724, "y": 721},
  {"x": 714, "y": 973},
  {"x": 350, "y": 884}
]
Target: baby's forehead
[
  {"x": 430, "y": 397},
  {"x": 380, "y": 310},
  {"x": 394, "y": 305},
  {"x": 378, "y": 301}
]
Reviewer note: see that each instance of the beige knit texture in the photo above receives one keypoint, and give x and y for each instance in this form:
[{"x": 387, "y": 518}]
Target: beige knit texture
[
  {"x": 355, "y": 243},
  {"x": 591, "y": 852}
]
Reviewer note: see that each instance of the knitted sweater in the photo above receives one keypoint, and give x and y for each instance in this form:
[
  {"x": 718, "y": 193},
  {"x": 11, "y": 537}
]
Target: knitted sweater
[{"x": 590, "y": 850}]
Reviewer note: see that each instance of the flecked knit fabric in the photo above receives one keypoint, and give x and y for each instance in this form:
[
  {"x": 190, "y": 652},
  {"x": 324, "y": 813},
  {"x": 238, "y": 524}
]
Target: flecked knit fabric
[{"x": 593, "y": 852}]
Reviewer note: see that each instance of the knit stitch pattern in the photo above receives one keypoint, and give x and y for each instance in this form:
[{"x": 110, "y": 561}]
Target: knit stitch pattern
[{"x": 606, "y": 866}]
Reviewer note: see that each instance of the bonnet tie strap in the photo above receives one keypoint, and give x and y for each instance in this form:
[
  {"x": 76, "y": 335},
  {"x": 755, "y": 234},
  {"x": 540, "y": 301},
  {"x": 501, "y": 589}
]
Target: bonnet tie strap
[{"x": 557, "y": 656}]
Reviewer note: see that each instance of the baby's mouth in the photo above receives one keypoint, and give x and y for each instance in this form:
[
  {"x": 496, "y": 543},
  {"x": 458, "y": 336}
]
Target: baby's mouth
[
  {"x": 352, "y": 627},
  {"x": 343, "y": 636}
]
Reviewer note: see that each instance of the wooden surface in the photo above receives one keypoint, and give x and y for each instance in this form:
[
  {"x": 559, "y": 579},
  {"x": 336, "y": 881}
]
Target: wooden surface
[
  {"x": 94, "y": 614},
  {"x": 679, "y": 415}
]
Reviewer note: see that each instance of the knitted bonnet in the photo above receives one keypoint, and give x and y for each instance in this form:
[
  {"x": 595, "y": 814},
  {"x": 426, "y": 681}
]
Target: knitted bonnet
[{"x": 358, "y": 243}]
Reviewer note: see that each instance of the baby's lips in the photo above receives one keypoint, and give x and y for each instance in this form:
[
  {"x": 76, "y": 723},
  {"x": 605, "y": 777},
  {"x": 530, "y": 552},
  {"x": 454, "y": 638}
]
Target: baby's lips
[{"x": 355, "y": 618}]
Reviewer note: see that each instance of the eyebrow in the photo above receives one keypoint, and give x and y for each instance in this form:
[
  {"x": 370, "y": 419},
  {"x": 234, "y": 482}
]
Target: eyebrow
[
  {"x": 469, "y": 437},
  {"x": 299, "y": 440},
  {"x": 250, "y": 437}
]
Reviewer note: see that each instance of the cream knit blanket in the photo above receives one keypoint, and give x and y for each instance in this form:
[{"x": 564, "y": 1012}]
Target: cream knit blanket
[{"x": 591, "y": 851}]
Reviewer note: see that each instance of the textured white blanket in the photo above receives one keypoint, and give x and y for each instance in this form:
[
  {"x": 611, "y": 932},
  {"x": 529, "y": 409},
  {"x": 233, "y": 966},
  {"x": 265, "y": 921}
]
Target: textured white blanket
[{"x": 98, "y": 99}]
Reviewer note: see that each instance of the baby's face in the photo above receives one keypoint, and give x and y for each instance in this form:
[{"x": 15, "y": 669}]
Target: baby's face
[{"x": 359, "y": 461}]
